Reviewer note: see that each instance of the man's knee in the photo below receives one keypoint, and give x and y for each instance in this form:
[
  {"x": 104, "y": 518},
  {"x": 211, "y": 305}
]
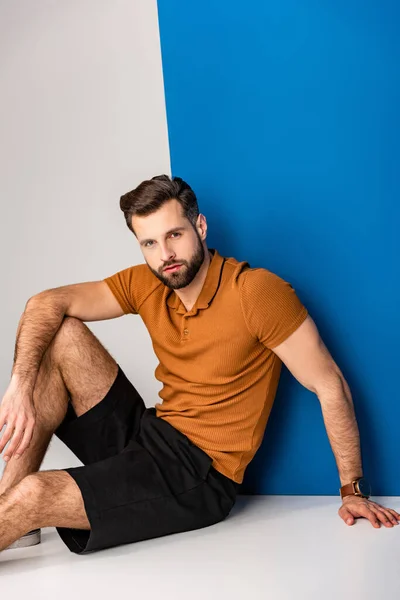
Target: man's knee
[
  {"x": 33, "y": 489},
  {"x": 68, "y": 333},
  {"x": 71, "y": 327},
  {"x": 28, "y": 492},
  {"x": 51, "y": 498}
]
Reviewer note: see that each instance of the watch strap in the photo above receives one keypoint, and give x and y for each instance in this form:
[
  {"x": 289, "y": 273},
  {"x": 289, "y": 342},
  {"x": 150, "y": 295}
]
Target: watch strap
[{"x": 350, "y": 489}]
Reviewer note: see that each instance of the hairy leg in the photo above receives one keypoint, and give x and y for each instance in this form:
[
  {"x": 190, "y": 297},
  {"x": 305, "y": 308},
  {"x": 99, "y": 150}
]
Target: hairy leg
[
  {"x": 76, "y": 368},
  {"x": 45, "y": 499}
]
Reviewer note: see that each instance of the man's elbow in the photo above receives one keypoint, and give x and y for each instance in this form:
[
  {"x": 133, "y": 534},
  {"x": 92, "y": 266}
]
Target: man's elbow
[
  {"x": 53, "y": 297},
  {"x": 331, "y": 385}
]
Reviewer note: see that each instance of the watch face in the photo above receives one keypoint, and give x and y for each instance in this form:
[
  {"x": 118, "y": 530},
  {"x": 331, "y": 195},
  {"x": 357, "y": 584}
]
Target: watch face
[{"x": 364, "y": 487}]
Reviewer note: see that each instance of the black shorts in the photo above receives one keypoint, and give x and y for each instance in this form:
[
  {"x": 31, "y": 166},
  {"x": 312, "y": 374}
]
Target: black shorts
[{"x": 141, "y": 477}]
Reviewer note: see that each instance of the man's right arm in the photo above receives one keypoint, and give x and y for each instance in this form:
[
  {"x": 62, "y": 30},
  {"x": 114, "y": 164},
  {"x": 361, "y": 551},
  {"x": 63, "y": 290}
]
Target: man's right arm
[{"x": 43, "y": 315}]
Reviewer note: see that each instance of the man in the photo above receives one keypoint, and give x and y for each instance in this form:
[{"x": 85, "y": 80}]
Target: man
[{"x": 221, "y": 331}]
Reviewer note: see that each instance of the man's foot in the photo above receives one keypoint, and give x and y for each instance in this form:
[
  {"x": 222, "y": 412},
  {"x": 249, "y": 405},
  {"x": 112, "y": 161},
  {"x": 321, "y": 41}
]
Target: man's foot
[{"x": 29, "y": 539}]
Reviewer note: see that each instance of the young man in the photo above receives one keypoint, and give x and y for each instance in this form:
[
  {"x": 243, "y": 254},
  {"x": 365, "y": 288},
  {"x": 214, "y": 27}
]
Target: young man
[{"x": 221, "y": 331}]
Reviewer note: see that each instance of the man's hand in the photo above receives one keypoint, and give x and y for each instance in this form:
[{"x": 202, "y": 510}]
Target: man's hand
[
  {"x": 18, "y": 413},
  {"x": 355, "y": 506}
]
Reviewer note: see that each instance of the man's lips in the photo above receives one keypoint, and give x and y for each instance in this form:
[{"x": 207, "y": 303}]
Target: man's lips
[{"x": 172, "y": 267}]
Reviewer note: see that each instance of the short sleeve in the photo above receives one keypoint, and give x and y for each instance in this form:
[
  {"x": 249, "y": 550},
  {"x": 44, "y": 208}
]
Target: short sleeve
[
  {"x": 132, "y": 287},
  {"x": 121, "y": 286},
  {"x": 271, "y": 307}
]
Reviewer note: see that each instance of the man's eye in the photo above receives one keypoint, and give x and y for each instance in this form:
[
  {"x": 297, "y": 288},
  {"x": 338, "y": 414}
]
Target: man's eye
[
  {"x": 176, "y": 233},
  {"x": 147, "y": 244}
]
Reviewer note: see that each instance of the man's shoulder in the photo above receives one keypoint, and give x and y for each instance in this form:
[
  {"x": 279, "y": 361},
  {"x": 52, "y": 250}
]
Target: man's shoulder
[
  {"x": 145, "y": 281},
  {"x": 255, "y": 285},
  {"x": 242, "y": 272},
  {"x": 137, "y": 283}
]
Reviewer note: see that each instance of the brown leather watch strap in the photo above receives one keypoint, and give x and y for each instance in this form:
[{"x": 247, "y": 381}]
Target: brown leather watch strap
[
  {"x": 347, "y": 490},
  {"x": 352, "y": 489}
]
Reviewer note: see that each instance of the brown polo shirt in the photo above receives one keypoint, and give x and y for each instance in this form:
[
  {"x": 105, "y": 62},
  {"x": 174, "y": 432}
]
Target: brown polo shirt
[{"x": 216, "y": 365}]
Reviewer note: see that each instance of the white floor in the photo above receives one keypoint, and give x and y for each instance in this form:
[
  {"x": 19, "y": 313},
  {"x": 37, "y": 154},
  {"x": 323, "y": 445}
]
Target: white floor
[{"x": 270, "y": 547}]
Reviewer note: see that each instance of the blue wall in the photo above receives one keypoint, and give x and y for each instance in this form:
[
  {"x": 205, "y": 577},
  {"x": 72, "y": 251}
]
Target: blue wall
[{"x": 284, "y": 118}]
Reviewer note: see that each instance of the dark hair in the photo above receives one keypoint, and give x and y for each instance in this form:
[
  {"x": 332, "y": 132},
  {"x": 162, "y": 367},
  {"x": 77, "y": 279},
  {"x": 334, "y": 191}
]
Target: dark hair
[{"x": 151, "y": 194}]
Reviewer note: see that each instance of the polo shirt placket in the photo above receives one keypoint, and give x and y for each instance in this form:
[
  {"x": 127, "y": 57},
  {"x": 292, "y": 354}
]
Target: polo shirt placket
[{"x": 207, "y": 293}]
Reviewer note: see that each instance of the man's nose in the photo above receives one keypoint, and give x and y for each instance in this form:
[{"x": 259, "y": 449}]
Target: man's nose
[{"x": 167, "y": 254}]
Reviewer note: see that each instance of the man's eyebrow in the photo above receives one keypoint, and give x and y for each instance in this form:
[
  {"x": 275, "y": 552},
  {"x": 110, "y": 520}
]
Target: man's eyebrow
[{"x": 166, "y": 233}]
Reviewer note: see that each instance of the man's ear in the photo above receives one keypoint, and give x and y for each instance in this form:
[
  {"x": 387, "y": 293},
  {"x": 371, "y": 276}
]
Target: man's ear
[{"x": 201, "y": 226}]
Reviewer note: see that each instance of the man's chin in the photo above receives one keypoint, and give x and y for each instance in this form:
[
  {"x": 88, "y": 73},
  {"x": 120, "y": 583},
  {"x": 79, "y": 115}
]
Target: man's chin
[{"x": 175, "y": 284}]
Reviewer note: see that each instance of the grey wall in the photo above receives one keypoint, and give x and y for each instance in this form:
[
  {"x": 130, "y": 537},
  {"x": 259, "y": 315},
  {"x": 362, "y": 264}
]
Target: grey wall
[{"x": 82, "y": 121}]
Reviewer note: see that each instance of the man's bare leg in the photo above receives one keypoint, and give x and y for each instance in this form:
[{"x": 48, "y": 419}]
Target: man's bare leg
[
  {"x": 45, "y": 499},
  {"x": 50, "y": 398},
  {"x": 75, "y": 366}
]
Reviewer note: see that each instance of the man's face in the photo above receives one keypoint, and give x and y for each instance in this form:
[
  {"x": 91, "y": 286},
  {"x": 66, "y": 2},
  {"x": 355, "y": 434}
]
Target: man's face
[{"x": 166, "y": 239}]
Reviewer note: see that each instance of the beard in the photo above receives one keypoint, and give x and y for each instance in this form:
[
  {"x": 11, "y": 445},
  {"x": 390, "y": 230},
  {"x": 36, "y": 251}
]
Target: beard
[{"x": 187, "y": 272}]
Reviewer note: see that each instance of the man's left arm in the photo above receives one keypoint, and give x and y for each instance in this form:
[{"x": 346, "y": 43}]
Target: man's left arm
[{"x": 308, "y": 359}]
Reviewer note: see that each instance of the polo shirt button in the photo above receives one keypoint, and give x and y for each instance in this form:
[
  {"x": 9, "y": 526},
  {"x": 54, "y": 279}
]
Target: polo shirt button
[{"x": 186, "y": 331}]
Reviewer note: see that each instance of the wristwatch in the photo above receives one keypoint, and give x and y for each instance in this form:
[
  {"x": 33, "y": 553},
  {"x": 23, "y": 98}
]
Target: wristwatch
[{"x": 358, "y": 487}]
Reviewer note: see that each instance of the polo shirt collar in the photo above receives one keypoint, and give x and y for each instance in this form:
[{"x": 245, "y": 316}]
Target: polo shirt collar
[{"x": 208, "y": 290}]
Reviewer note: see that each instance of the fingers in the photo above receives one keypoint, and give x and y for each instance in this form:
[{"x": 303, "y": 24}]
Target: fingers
[
  {"x": 358, "y": 509},
  {"x": 20, "y": 435},
  {"x": 16, "y": 440},
  {"x": 27, "y": 437},
  {"x": 394, "y": 513},
  {"x": 347, "y": 516},
  {"x": 5, "y": 438},
  {"x": 2, "y": 419},
  {"x": 367, "y": 512},
  {"x": 375, "y": 513},
  {"x": 384, "y": 515}
]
